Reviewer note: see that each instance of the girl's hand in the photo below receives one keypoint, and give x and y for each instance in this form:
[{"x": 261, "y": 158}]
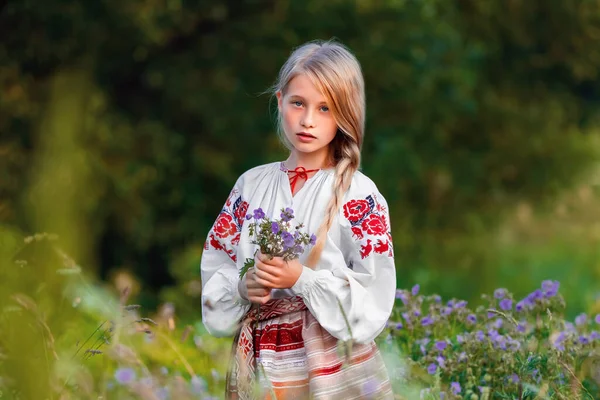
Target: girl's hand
[
  {"x": 253, "y": 291},
  {"x": 276, "y": 273}
]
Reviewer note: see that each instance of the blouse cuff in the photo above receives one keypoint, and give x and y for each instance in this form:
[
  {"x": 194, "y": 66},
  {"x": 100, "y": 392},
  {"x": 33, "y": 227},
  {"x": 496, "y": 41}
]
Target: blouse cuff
[
  {"x": 305, "y": 281},
  {"x": 235, "y": 291}
]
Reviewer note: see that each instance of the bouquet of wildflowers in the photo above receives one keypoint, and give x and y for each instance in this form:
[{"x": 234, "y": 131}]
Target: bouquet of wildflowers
[{"x": 277, "y": 238}]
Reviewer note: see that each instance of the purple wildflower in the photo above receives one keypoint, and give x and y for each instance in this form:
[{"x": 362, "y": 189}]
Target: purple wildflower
[
  {"x": 441, "y": 361},
  {"x": 584, "y": 340},
  {"x": 480, "y": 336},
  {"x": 594, "y": 335},
  {"x": 275, "y": 228},
  {"x": 401, "y": 294},
  {"x": 461, "y": 304},
  {"x": 460, "y": 338},
  {"x": 431, "y": 369},
  {"x": 415, "y": 289},
  {"x": 437, "y": 298},
  {"x": 514, "y": 378},
  {"x": 399, "y": 325},
  {"x": 124, "y": 375},
  {"x": 446, "y": 311},
  {"x": 442, "y": 395},
  {"x": 417, "y": 313},
  {"x": 287, "y": 215},
  {"x": 520, "y": 306},
  {"x": 462, "y": 357},
  {"x": 491, "y": 315},
  {"x": 506, "y": 304},
  {"x": 597, "y": 319},
  {"x": 455, "y": 387},
  {"x": 450, "y": 303},
  {"x": 498, "y": 323},
  {"x": 569, "y": 327},
  {"x": 550, "y": 288},
  {"x": 471, "y": 318},
  {"x": 313, "y": 239},
  {"x": 406, "y": 316},
  {"x": 581, "y": 319},
  {"x": 426, "y": 321},
  {"x": 259, "y": 213},
  {"x": 441, "y": 345},
  {"x": 500, "y": 293},
  {"x": 522, "y": 326}
]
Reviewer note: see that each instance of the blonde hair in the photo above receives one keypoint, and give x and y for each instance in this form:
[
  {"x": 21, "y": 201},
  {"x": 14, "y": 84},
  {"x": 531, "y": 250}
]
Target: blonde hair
[{"x": 335, "y": 71}]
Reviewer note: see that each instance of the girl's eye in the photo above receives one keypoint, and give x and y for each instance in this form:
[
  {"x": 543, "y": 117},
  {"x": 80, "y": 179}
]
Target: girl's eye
[
  {"x": 324, "y": 108},
  {"x": 297, "y": 103}
]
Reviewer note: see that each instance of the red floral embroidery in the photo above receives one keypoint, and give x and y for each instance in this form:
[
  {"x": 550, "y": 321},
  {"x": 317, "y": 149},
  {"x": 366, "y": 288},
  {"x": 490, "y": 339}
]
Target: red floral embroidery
[
  {"x": 374, "y": 225},
  {"x": 225, "y": 226},
  {"x": 225, "y": 234},
  {"x": 355, "y": 210},
  {"x": 367, "y": 219}
]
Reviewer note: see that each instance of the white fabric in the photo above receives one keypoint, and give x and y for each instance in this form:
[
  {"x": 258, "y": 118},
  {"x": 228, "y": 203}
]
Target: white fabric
[{"x": 365, "y": 287}]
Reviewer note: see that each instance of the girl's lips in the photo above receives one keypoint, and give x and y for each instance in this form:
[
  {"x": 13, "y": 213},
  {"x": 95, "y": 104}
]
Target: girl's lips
[{"x": 305, "y": 137}]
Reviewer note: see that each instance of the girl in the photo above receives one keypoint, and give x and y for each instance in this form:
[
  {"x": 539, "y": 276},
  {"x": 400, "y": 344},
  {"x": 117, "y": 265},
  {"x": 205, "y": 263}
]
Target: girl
[{"x": 339, "y": 293}]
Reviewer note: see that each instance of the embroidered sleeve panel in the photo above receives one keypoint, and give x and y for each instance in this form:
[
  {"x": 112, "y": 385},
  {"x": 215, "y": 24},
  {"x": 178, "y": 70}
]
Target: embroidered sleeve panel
[
  {"x": 225, "y": 233},
  {"x": 368, "y": 219}
]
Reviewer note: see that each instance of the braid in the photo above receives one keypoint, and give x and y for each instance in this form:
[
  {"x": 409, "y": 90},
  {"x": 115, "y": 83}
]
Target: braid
[{"x": 344, "y": 170}]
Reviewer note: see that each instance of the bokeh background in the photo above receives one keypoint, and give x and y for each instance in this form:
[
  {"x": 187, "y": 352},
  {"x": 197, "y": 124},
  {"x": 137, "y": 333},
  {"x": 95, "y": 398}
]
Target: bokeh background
[{"x": 124, "y": 124}]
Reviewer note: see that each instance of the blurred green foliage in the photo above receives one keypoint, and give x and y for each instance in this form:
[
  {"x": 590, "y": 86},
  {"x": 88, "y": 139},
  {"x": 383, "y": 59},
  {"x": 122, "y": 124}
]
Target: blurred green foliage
[{"x": 138, "y": 116}]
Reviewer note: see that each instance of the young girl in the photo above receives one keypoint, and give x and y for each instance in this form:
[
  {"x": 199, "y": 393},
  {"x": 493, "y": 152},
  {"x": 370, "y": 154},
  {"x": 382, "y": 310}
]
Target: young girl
[{"x": 295, "y": 344}]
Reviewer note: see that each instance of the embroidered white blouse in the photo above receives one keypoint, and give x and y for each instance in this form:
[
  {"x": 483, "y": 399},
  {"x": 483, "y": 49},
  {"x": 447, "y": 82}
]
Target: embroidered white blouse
[{"x": 356, "y": 266}]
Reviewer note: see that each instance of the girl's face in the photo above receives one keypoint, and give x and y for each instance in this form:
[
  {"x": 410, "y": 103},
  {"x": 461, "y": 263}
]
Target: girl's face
[{"x": 307, "y": 120}]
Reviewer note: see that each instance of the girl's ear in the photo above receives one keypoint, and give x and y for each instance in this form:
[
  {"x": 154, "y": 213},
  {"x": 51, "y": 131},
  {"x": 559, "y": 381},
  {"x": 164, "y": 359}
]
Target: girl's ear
[{"x": 279, "y": 99}]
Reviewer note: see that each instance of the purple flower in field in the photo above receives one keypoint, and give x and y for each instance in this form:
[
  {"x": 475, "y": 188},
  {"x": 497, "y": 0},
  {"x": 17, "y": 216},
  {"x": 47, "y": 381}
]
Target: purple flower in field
[
  {"x": 275, "y": 228},
  {"x": 569, "y": 327},
  {"x": 313, "y": 239},
  {"x": 415, "y": 289},
  {"x": 462, "y": 357},
  {"x": 431, "y": 369},
  {"x": 401, "y": 294},
  {"x": 198, "y": 385},
  {"x": 581, "y": 319},
  {"x": 536, "y": 376},
  {"x": 426, "y": 321},
  {"x": 550, "y": 288},
  {"x": 520, "y": 306},
  {"x": 399, "y": 325},
  {"x": 455, "y": 387},
  {"x": 259, "y": 213},
  {"x": 597, "y": 319},
  {"x": 406, "y": 316},
  {"x": 441, "y": 361},
  {"x": 437, "y": 298},
  {"x": 500, "y": 293},
  {"x": 492, "y": 333},
  {"x": 442, "y": 395},
  {"x": 522, "y": 327},
  {"x": 515, "y": 345},
  {"x": 460, "y": 338},
  {"x": 124, "y": 375},
  {"x": 287, "y": 215},
  {"x": 460, "y": 304},
  {"x": 594, "y": 335},
  {"x": 514, "y": 378},
  {"x": 417, "y": 313},
  {"x": 584, "y": 340},
  {"x": 471, "y": 318},
  {"x": 446, "y": 311},
  {"x": 491, "y": 315},
  {"x": 559, "y": 342},
  {"x": 498, "y": 323},
  {"x": 536, "y": 295},
  {"x": 441, "y": 345},
  {"x": 506, "y": 304},
  {"x": 480, "y": 336}
]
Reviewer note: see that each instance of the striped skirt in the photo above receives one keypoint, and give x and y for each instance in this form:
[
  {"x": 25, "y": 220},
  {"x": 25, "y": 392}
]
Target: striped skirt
[{"x": 282, "y": 352}]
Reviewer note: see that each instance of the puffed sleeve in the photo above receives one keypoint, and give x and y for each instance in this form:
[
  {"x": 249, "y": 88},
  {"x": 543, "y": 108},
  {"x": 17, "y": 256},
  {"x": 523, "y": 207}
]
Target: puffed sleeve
[
  {"x": 222, "y": 306},
  {"x": 360, "y": 275}
]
